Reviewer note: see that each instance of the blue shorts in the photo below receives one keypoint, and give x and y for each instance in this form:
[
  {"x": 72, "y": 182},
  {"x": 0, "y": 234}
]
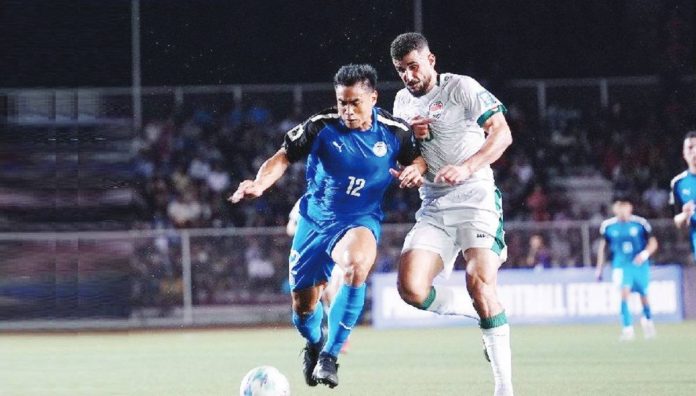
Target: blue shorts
[
  {"x": 636, "y": 277},
  {"x": 310, "y": 259}
]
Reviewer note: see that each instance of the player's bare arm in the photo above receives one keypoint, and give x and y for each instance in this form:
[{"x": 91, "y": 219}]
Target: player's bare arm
[
  {"x": 649, "y": 250},
  {"x": 600, "y": 259},
  {"x": 498, "y": 139},
  {"x": 682, "y": 218},
  {"x": 411, "y": 175},
  {"x": 269, "y": 172}
]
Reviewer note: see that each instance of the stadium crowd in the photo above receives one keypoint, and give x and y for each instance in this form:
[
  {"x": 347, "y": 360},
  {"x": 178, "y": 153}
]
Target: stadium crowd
[{"x": 187, "y": 165}]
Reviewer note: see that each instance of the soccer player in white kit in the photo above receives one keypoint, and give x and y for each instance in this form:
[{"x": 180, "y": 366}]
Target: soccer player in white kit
[{"x": 462, "y": 130}]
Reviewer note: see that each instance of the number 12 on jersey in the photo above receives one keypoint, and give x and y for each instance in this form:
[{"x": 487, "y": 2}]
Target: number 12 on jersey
[{"x": 355, "y": 186}]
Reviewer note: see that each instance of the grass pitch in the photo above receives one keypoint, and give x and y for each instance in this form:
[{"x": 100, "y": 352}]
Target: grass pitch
[{"x": 547, "y": 360}]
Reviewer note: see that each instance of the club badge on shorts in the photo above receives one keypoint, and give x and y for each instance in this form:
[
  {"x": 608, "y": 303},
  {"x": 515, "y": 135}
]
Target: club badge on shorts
[{"x": 380, "y": 149}]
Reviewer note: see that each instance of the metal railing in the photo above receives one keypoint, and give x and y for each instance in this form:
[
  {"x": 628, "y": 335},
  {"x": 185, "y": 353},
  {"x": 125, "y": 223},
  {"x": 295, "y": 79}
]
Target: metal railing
[
  {"x": 42, "y": 105},
  {"x": 169, "y": 277}
]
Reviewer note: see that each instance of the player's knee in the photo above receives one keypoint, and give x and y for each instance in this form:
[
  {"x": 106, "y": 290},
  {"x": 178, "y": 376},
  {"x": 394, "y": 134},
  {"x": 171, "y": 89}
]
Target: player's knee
[
  {"x": 411, "y": 293},
  {"x": 356, "y": 269},
  {"x": 303, "y": 306},
  {"x": 356, "y": 275}
]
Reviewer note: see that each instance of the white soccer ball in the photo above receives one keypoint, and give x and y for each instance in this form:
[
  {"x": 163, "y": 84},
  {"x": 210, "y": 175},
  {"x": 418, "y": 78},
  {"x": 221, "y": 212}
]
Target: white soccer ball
[{"x": 264, "y": 381}]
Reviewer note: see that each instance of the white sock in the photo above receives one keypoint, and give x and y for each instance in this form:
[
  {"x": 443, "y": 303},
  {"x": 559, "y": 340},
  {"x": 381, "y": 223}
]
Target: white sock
[
  {"x": 452, "y": 301},
  {"x": 497, "y": 343}
]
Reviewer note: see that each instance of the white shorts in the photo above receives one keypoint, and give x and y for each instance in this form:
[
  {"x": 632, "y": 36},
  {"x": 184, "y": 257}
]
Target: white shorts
[
  {"x": 457, "y": 221},
  {"x": 617, "y": 277}
]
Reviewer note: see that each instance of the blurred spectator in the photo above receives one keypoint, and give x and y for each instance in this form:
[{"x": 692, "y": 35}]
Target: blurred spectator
[
  {"x": 185, "y": 211},
  {"x": 538, "y": 203},
  {"x": 538, "y": 256},
  {"x": 218, "y": 180},
  {"x": 259, "y": 269}
]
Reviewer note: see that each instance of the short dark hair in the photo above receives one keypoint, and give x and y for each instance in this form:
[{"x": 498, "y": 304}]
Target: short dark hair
[
  {"x": 405, "y": 43},
  {"x": 349, "y": 75},
  {"x": 690, "y": 135},
  {"x": 623, "y": 196}
]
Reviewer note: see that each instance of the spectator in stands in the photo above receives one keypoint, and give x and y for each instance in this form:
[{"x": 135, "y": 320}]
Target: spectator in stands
[
  {"x": 538, "y": 256},
  {"x": 538, "y": 202},
  {"x": 185, "y": 211}
]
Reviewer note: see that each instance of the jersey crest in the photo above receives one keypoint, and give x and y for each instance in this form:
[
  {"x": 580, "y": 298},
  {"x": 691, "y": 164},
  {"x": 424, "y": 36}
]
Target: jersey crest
[
  {"x": 380, "y": 149},
  {"x": 435, "y": 110}
]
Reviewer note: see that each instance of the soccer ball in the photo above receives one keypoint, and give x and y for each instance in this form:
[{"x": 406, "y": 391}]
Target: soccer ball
[{"x": 264, "y": 381}]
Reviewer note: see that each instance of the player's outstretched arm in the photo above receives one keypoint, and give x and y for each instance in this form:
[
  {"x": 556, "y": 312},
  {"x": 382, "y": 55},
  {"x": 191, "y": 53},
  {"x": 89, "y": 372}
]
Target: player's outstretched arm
[
  {"x": 269, "y": 172},
  {"x": 600, "y": 259},
  {"x": 498, "y": 140},
  {"x": 412, "y": 175}
]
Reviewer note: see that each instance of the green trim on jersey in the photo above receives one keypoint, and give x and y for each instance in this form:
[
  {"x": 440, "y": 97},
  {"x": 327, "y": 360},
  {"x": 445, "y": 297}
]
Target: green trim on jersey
[
  {"x": 499, "y": 239},
  {"x": 485, "y": 116}
]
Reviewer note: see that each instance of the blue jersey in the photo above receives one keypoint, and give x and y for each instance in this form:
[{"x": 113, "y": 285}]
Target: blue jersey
[
  {"x": 348, "y": 169},
  {"x": 683, "y": 191},
  {"x": 625, "y": 239}
]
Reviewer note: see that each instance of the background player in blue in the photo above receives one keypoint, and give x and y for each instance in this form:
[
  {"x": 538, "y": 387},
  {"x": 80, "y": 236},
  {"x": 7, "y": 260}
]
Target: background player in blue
[
  {"x": 631, "y": 244},
  {"x": 351, "y": 151},
  {"x": 684, "y": 191}
]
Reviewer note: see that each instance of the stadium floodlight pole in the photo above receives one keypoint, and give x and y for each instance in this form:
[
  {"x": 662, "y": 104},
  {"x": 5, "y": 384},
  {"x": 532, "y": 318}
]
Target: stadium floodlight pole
[
  {"x": 418, "y": 16},
  {"x": 135, "y": 56}
]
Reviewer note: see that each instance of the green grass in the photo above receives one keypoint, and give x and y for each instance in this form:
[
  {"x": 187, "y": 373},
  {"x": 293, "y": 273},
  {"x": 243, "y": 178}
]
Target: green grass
[{"x": 547, "y": 360}]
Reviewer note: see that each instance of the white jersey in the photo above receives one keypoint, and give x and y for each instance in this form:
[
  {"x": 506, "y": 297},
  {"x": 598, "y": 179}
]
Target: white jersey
[
  {"x": 458, "y": 105},
  {"x": 294, "y": 215}
]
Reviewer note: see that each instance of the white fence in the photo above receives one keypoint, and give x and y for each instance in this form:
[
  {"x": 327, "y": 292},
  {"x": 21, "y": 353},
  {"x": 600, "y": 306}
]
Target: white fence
[{"x": 145, "y": 278}]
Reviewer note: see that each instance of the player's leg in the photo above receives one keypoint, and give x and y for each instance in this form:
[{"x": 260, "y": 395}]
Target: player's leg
[
  {"x": 481, "y": 281},
  {"x": 641, "y": 283},
  {"x": 329, "y": 294},
  {"x": 627, "y": 332},
  {"x": 427, "y": 252},
  {"x": 307, "y": 314},
  {"x": 355, "y": 252},
  {"x": 310, "y": 267}
]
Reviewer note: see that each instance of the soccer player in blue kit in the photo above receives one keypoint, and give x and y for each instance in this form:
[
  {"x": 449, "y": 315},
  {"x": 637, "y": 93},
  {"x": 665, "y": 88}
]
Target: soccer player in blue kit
[
  {"x": 684, "y": 191},
  {"x": 351, "y": 154},
  {"x": 631, "y": 244}
]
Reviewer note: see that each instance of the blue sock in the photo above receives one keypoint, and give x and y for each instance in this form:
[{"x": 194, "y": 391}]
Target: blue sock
[
  {"x": 343, "y": 315},
  {"x": 646, "y": 312},
  {"x": 309, "y": 325},
  {"x": 626, "y": 314}
]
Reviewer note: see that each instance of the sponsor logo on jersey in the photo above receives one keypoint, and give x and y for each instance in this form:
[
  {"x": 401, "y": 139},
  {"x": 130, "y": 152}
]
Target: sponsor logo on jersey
[
  {"x": 435, "y": 109},
  {"x": 480, "y": 235},
  {"x": 686, "y": 191},
  {"x": 633, "y": 231},
  {"x": 380, "y": 149},
  {"x": 338, "y": 146}
]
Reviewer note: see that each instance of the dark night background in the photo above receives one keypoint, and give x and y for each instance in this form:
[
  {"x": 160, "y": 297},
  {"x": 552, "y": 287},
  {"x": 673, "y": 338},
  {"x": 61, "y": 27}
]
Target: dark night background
[{"x": 87, "y": 43}]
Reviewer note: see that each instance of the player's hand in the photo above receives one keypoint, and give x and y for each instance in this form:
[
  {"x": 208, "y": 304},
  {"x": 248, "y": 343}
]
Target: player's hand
[
  {"x": 689, "y": 208},
  {"x": 409, "y": 176},
  {"x": 641, "y": 257},
  {"x": 247, "y": 189},
  {"x": 420, "y": 124},
  {"x": 453, "y": 174}
]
